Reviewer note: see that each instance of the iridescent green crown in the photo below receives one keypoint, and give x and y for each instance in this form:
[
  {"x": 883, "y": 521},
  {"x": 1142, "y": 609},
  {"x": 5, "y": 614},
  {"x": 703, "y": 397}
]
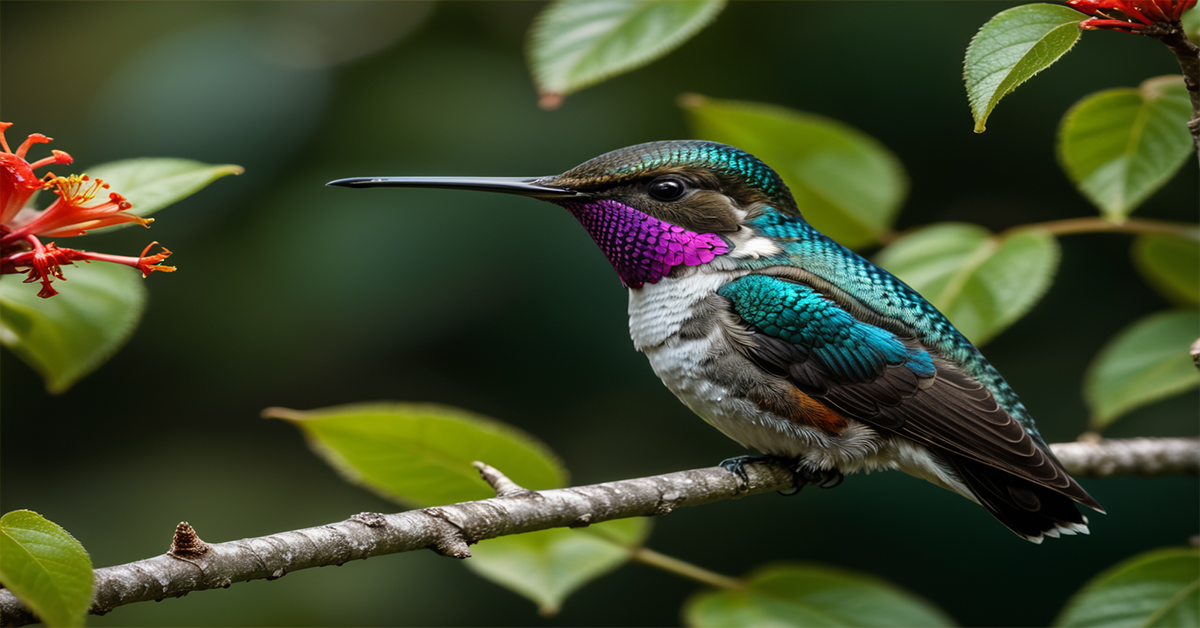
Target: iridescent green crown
[{"x": 654, "y": 158}]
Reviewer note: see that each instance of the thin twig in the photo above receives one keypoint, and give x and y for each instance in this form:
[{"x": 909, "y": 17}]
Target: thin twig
[
  {"x": 1091, "y": 224},
  {"x": 647, "y": 556},
  {"x": 1095, "y": 224},
  {"x": 499, "y": 482},
  {"x": 449, "y": 530}
]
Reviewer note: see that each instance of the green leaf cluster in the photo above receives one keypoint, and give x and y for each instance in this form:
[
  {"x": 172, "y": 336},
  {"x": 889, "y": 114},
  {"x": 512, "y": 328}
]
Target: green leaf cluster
[
  {"x": 45, "y": 567},
  {"x": 1118, "y": 146}
]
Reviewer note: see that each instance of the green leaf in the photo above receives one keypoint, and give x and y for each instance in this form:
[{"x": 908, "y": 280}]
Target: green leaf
[
  {"x": 549, "y": 565},
  {"x": 69, "y": 335},
  {"x": 1171, "y": 265},
  {"x": 421, "y": 455},
  {"x": 1012, "y": 47},
  {"x": 1147, "y": 361},
  {"x": 45, "y": 567},
  {"x": 1158, "y": 588},
  {"x": 811, "y": 596},
  {"x": 1120, "y": 145},
  {"x": 577, "y": 43},
  {"x": 151, "y": 184},
  {"x": 982, "y": 282},
  {"x": 847, "y": 184}
]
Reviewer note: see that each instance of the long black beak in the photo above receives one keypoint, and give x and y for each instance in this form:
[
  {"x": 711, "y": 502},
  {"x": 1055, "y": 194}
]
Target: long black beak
[{"x": 507, "y": 185}]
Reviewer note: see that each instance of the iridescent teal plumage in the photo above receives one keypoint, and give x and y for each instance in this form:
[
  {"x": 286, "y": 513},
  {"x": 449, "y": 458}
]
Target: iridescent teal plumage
[
  {"x": 798, "y": 314},
  {"x": 893, "y": 302}
]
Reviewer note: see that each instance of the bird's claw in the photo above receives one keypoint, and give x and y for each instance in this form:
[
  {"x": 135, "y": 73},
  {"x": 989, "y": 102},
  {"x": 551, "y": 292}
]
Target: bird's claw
[
  {"x": 737, "y": 466},
  {"x": 801, "y": 476},
  {"x": 824, "y": 478}
]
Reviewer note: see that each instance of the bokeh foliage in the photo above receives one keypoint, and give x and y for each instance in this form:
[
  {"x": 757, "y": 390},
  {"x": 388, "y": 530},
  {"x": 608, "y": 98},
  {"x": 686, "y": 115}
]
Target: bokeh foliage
[{"x": 303, "y": 297}]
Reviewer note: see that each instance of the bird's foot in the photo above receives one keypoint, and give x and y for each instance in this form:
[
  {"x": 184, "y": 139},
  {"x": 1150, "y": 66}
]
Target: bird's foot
[
  {"x": 804, "y": 476},
  {"x": 801, "y": 475},
  {"x": 737, "y": 465}
]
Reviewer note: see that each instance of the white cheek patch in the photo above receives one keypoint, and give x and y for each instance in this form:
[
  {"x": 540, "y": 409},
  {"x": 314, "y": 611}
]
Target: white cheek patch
[
  {"x": 748, "y": 244},
  {"x": 755, "y": 248}
]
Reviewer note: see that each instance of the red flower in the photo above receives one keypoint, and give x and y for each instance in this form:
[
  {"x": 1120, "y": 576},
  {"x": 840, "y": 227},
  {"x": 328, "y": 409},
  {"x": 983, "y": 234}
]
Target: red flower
[
  {"x": 71, "y": 214},
  {"x": 1129, "y": 16},
  {"x": 17, "y": 181}
]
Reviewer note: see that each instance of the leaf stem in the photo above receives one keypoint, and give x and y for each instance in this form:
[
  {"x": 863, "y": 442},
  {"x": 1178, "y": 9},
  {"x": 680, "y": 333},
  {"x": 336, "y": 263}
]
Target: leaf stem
[
  {"x": 1069, "y": 226},
  {"x": 683, "y": 568}
]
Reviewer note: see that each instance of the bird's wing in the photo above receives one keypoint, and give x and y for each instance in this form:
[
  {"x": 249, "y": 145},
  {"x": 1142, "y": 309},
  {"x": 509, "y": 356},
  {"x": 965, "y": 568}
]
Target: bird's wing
[{"x": 867, "y": 373}]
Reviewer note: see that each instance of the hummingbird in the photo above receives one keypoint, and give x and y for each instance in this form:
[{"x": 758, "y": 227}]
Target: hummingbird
[{"x": 788, "y": 342}]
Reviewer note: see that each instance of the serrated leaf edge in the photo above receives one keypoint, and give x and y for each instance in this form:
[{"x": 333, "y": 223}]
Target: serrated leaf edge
[
  {"x": 35, "y": 606},
  {"x": 1001, "y": 91}
]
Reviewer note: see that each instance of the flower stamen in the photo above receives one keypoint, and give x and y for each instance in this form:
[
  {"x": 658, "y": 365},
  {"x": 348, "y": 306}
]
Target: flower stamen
[
  {"x": 58, "y": 157},
  {"x": 34, "y": 138},
  {"x": 70, "y": 215}
]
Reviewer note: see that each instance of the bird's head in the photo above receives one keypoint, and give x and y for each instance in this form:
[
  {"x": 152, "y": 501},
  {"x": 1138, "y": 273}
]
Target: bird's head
[{"x": 649, "y": 207}]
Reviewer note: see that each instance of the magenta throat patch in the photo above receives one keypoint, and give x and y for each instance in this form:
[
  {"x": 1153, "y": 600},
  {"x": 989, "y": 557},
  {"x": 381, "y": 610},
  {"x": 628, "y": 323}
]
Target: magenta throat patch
[{"x": 642, "y": 248}]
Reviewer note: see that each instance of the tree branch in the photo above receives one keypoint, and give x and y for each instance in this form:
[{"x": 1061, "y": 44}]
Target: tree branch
[
  {"x": 193, "y": 565},
  {"x": 1096, "y": 458}
]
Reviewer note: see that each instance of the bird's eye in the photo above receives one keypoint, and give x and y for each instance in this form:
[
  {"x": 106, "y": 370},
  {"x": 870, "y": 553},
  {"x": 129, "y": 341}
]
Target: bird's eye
[{"x": 667, "y": 189}]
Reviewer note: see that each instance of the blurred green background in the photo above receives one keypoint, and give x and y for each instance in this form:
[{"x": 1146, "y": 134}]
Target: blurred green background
[{"x": 293, "y": 294}]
